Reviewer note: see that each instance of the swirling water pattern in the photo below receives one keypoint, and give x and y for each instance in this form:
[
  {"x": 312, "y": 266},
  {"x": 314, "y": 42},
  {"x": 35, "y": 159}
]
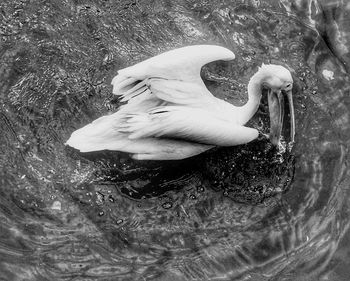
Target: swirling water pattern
[{"x": 101, "y": 216}]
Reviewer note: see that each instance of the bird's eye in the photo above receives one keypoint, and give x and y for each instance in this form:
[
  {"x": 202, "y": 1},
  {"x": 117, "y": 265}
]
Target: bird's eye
[{"x": 288, "y": 86}]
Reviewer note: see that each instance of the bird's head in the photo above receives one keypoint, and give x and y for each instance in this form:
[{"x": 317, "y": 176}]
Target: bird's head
[{"x": 278, "y": 82}]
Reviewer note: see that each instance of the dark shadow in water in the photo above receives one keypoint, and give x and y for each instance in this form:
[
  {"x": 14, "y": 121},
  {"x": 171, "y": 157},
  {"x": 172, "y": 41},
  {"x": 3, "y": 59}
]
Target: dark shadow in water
[{"x": 247, "y": 174}]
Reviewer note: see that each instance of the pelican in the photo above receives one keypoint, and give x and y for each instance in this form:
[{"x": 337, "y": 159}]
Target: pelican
[{"x": 169, "y": 114}]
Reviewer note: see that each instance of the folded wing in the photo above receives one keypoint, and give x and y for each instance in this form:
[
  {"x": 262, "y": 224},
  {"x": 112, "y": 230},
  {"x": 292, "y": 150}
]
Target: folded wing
[
  {"x": 103, "y": 134},
  {"x": 186, "y": 123}
]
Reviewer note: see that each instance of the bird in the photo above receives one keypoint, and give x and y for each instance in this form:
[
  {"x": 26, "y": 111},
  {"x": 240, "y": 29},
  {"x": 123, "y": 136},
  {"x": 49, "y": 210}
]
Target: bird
[{"x": 169, "y": 114}]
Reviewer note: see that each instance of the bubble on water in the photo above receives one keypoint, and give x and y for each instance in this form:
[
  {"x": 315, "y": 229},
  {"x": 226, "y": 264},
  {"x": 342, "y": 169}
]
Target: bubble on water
[
  {"x": 57, "y": 205},
  {"x": 99, "y": 198},
  {"x": 167, "y": 205},
  {"x": 328, "y": 74}
]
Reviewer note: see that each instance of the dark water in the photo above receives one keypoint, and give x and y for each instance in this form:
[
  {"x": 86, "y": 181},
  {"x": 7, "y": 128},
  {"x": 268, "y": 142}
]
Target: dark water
[{"x": 242, "y": 213}]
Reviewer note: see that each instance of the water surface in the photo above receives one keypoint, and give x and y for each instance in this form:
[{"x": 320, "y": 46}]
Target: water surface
[{"x": 243, "y": 213}]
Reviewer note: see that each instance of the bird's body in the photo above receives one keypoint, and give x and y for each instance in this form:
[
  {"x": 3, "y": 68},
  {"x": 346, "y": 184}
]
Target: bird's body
[{"x": 169, "y": 113}]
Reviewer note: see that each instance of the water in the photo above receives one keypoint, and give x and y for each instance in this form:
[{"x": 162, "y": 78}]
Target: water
[{"x": 230, "y": 214}]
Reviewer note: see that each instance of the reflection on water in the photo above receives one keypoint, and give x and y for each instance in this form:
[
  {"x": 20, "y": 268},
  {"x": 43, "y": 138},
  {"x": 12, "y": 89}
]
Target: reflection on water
[{"x": 229, "y": 214}]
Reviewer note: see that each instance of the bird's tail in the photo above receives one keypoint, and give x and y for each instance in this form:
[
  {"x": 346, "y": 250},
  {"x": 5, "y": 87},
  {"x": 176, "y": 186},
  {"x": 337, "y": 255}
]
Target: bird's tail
[{"x": 101, "y": 134}]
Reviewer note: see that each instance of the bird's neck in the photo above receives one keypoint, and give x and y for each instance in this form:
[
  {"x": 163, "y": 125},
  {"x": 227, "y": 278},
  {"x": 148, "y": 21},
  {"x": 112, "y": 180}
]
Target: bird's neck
[{"x": 254, "y": 96}]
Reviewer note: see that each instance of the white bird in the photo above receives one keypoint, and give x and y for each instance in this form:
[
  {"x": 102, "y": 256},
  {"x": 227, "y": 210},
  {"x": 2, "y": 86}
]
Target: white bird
[{"x": 170, "y": 114}]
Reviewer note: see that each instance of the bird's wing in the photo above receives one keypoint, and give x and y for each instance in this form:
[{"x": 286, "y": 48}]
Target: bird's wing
[
  {"x": 179, "y": 68},
  {"x": 181, "y": 64},
  {"x": 102, "y": 134},
  {"x": 185, "y": 123}
]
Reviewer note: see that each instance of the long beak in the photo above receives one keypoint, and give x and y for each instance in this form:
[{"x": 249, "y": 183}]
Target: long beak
[
  {"x": 276, "y": 109},
  {"x": 291, "y": 113}
]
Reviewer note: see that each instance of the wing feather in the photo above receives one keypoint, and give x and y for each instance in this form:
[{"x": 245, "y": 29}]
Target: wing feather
[
  {"x": 189, "y": 124},
  {"x": 179, "y": 64},
  {"x": 173, "y": 76}
]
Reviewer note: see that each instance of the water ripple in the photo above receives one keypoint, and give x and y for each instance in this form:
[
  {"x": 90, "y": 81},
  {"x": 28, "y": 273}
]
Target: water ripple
[{"x": 102, "y": 216}]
